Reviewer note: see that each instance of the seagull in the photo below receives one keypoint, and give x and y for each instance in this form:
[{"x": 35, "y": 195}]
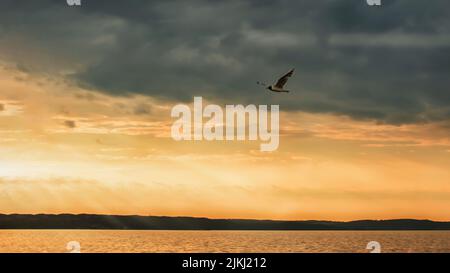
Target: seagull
[{"x": 278, "y": 86}]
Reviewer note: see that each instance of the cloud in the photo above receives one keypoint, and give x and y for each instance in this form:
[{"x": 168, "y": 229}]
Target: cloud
[
  {"x": 389, "y": 64},
  {"x": 2, "y": 107},
  {"x": 371, "y": 133},
  {"x": 142, "y": 109},
  {"x": 70, "y": 124}
]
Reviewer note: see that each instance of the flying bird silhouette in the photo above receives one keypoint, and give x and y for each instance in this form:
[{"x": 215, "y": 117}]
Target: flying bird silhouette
[{"x": 279, "y": 85}]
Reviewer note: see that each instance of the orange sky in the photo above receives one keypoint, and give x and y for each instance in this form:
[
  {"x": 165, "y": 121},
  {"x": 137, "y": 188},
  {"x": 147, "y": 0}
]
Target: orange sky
[{"x": 68, "y": 150}]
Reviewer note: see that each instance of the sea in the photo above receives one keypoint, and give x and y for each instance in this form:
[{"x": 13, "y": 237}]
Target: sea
[{"x": 165, "y": 241}]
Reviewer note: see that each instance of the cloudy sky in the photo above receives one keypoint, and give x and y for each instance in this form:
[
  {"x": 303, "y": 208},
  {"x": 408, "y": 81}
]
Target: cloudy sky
[{"x": 86, "y": 94}]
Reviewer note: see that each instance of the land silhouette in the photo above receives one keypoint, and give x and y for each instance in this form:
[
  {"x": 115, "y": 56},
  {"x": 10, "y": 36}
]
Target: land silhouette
[{"x": 134, "y": 222}]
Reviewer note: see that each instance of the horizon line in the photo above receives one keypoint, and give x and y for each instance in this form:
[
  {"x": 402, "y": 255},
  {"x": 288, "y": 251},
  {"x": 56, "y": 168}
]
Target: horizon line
[{"x": 235, "y": 219}]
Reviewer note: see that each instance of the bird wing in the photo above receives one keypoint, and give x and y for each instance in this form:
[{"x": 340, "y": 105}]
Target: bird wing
[{"x": 283, "y": 80}]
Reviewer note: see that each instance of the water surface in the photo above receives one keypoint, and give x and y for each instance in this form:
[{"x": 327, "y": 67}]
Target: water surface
[{"x": 112, "y": 241}]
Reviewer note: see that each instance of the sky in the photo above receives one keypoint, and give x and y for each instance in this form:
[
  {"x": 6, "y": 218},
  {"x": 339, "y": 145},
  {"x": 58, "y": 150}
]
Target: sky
[{"x": 86, "y": 95}]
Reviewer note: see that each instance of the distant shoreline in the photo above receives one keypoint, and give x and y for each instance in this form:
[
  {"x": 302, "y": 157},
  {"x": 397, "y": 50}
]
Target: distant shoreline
[{"x": 132, "y": 222}]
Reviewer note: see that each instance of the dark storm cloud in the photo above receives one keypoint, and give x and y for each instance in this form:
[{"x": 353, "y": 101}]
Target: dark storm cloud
[{"x": 390, "y": 63}]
